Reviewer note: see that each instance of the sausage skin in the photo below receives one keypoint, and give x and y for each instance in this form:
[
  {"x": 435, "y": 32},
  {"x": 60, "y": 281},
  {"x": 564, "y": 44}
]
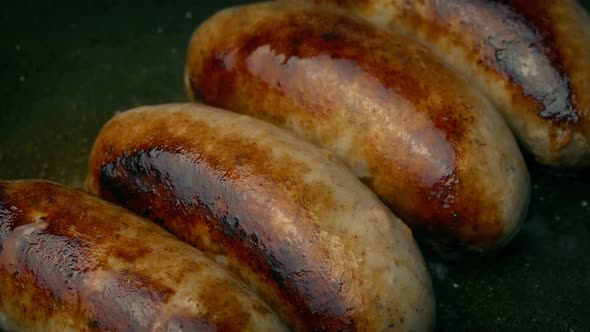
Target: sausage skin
[
  {"x": 532, "y": 58},
  {"x": 431, "y": 147},
  {"x": 284, "y": 215},
  {"x": 72, "y": 262}
]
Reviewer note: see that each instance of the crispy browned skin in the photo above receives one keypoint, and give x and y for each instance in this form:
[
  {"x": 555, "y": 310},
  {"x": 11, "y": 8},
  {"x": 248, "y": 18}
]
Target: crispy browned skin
[
  {"x": 430, "y": 146},
  {"x": 285, "y": 215},
  {"x": 531, "y": 57},
  {"x": 71, "y": 262}
]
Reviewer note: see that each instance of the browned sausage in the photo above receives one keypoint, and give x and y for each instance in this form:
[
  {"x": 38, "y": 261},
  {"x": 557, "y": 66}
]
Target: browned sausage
[
  {"x": 531, "y": 57},
  {"x": 71, "y": 262},
  {"x": 285, "y": 215},
  {"x": 428, "y": 144}
]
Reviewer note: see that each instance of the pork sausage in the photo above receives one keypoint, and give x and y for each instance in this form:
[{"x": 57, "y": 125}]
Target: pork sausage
[
  {"x": 431, "y": 147},
  {"x": 72, "y": 262},
  {"x": 284, "y": 215}
]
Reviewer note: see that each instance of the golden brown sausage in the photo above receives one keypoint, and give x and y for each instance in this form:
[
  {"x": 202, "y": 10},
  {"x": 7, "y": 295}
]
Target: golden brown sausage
[
  {"x": 71, "y": 262},
  {"x": 286, "y": 216},
  {"x": 430, "y": 146},
  {"x": 532, "y": 58}
]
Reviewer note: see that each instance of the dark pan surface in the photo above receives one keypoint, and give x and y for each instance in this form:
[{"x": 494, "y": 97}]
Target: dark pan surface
[{"x": 66, "y": 69}]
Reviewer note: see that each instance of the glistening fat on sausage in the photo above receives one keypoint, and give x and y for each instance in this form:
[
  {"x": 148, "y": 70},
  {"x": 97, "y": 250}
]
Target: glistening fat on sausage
[
  {"x": 72, "y": 262},
  {"x": 426, "y": 142},
  {"x": 285, "y": 215}
]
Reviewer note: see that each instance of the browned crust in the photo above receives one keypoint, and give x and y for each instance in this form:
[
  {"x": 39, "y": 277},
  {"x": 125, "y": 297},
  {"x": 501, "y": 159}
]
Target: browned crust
[
  {"x": 514, "y": 37},
  {"x": 563, "y": 31}
]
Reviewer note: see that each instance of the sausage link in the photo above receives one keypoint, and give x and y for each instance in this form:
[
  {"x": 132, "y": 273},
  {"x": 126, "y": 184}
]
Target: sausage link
[
  {"x": 71, "y": 262},
  {"x": 430, "y": 146},
  {"x": 284, "y": 215}
]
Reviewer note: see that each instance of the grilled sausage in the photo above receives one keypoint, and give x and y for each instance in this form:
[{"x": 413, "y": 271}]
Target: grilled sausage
[
  {"x": 71, "y": 262},
  {"x": 284, "y": 215},
  {"x": 532, "y": 58},
  {"x": 431, "y": 147}
]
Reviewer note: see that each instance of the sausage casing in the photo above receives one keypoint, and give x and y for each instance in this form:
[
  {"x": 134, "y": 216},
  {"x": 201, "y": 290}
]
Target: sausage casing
[
  {"x": 286, "y": 216},
  {"x": 72, "y": 262},
  {"x": 532, "y": 58},
  {"x": 428, "y": 144}
]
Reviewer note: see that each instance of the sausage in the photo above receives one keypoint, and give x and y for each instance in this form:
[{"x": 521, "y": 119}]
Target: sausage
[
  {"x": 532, "y": 58},
  {"x": 432, "y": 148},
  {"x": 71, "y": 262},
  {"x": 284, "y": 215}
]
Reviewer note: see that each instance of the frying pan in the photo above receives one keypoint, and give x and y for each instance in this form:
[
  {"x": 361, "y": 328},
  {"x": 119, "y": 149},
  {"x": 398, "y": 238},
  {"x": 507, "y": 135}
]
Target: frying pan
[{"x": 67, "y": 68}]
